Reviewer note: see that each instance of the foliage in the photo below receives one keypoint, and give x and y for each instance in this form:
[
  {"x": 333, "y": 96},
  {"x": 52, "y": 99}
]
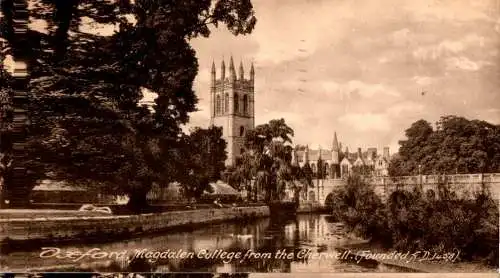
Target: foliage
[
  {"x": 360, "y": 208},
  {"x": 205, "y": 149},
  {"x": 413, "y": 221},
  {"x": 457, "y": 145},
  {"x": 267, "y": 160},
  {"x": 85, "y": 88}
]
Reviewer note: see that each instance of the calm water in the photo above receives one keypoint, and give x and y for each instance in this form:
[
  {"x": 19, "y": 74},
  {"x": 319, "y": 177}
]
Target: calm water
[{"x": 308, "y": 235}]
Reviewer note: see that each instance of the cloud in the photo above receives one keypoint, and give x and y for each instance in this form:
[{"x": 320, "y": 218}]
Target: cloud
[
  {"x": 366, "y": 122},
  {"x": 462, "y": 63},
  {"x": 370, "y": 90},
  {"x": 405, "y": 108},
  {"x": 450, "y": 10},
  {"x": 423, "y": 80},
  {"x": 448, "y": 47}
]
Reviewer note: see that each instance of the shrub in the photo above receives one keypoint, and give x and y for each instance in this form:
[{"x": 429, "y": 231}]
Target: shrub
[{"x": 412, "y": 220}]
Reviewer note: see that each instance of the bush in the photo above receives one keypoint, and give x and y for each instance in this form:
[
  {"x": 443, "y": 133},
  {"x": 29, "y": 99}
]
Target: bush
[{"x": 411, "y": 220}]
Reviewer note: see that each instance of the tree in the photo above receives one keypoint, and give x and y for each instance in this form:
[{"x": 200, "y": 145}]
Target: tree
[
  {"x": 204, "y": 157},
  {"x": 457, "y": 145},
  {"x": 268, "y": 158},
  {"x": 85, "y": 88}
]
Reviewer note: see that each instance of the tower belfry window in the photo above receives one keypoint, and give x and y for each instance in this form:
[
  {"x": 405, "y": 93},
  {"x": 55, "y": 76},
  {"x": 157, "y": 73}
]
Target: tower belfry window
[
  {"x": 218, "y": 104},
  {"x": 226, "y": 103},
  {"x": 242, "y": 131},
  {"x": 245, "y": 104},
  {"x": 236, "y": 103}
]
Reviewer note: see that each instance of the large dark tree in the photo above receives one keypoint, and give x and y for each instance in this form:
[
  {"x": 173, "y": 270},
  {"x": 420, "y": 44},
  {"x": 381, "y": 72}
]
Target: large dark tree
[
  {"x": 204, "y": 156},
  {"x": 457, "y": 145},
  {"x": 86, "y": 124}
]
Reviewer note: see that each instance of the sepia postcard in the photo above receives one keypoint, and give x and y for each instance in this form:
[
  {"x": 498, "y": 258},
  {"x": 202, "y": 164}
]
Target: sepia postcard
[{"x": 249, "y": 138}]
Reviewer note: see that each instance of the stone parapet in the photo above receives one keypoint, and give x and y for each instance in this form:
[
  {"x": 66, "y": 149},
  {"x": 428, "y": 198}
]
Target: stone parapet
[{"x": 81, "y": 227}]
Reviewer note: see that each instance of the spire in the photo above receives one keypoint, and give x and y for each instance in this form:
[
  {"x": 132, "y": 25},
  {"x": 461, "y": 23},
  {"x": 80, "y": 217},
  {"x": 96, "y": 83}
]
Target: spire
[
  {"x": 232, "y": 71},
  {"x": 223, "y": 70},
  {"x": 335, "y": 145},
  {"x": 242, "y": 72}
]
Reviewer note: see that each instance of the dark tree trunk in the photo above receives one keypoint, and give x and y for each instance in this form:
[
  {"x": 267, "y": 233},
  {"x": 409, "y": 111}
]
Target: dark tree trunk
[
  {"x": 138, "y": 202},
  {"x": 63, "y": 16}
]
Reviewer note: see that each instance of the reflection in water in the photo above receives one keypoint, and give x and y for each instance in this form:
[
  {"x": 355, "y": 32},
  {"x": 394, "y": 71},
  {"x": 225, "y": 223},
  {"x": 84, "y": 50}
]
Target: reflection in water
[{"x": 257, "y": 244}]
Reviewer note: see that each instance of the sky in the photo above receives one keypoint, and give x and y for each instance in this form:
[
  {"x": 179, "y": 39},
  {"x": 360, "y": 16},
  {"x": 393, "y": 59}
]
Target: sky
[{"x": 362, "y": 68}]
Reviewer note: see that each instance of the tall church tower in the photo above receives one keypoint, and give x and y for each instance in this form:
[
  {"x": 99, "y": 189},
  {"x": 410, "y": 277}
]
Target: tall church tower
[{"x": 232, "y": 107}]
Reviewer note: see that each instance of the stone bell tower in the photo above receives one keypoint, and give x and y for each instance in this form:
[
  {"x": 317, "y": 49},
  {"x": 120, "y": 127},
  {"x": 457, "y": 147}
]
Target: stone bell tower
[{"x": 232, "y": 106}]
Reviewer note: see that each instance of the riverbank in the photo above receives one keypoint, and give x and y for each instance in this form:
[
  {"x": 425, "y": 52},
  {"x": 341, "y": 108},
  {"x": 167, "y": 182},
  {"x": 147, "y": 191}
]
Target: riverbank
[{"x": 34, "y": 231}]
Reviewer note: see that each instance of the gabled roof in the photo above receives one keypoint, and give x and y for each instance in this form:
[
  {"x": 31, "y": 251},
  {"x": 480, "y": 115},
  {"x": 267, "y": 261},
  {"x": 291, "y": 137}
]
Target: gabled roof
[{"x": 347, "y": 160}]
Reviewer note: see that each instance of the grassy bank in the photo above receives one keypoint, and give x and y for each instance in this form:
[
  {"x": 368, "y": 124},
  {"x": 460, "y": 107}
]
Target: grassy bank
[{"x": 414, "y": 221}]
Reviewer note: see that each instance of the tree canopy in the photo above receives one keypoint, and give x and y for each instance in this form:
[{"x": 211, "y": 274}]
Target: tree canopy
[
  {"x": 204, "y": 153},
  {"x": 267, "y": 160},
  {"x": 84, "y": 91},
  {"x": 456, "y": 145}
]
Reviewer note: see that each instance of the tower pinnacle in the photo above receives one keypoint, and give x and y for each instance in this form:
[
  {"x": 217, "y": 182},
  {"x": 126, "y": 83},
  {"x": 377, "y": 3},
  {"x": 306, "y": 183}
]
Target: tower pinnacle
[
  {"x": 252, "y": 73},
  {"x": 242, "y": 73},
  {"x": 232, "y": 71},
  {"x": 223, "y": 70}
]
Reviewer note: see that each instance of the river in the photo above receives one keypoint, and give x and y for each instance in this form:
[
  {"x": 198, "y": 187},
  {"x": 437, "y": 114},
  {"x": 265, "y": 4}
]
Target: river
[{"x": 312, "y": 238}]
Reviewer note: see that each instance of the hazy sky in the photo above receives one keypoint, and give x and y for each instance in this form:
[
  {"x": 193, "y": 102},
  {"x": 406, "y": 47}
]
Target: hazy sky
[{"x": 359, "y": 67}]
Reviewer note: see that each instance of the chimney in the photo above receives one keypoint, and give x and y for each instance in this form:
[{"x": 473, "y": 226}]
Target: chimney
[{"x": 386, "y": 153}]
